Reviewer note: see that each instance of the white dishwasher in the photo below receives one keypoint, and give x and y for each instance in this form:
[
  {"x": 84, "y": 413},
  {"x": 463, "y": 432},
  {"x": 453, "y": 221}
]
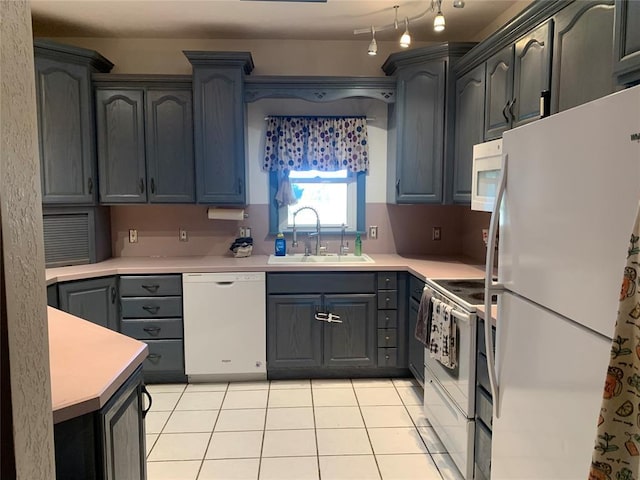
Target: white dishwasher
[{"x": 225, "y": 326}]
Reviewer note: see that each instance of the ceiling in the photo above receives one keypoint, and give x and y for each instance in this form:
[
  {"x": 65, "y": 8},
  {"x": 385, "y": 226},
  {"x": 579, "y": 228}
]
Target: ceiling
[{"x": 252, "y": 19}]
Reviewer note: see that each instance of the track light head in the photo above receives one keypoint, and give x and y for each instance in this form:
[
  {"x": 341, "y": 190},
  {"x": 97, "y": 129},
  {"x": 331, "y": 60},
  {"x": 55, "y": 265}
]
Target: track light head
[
  {"x": 373, "y": 46},
  {"x": 438, "y": 22},
  {"x": 405, "y": 39}
]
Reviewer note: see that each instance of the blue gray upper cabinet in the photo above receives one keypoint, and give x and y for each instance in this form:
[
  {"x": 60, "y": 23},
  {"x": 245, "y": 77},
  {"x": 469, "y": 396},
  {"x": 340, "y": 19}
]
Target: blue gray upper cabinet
[
  {"x": 469, "y": 129},
  {"x": 65, "y": 122},
  {"x": 417, "y": 122},
  {"x": 583, "y": 54},
  {"x": 219, "y": 125},
  {"x": 515, "y": 78},
  {"x": 627, "y": 41},
  {"x": 121, "y": 149},
  {"x": 169, "y": 131}
]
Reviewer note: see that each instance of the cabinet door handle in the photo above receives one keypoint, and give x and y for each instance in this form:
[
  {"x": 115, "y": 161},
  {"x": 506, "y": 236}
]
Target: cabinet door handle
[
  {"x": 153, "y": 185},
  {"x": 154, "y": 331},
  {"x": 113, "y": 295},
  {"x": 513, "y": 102},
  {"x": 90, "y": 185},
  {"x": 152, "y": 309},
  {"x": 154, "y": 357},
  {"x": 240, "y": 186},
  {"x": 151, "y": 288},
  {"x": 141, "y": 185},
  {"x": 146, "y": 392},
  {"x": 504, "y": 111},
  {"x": 398, "y": 187}
]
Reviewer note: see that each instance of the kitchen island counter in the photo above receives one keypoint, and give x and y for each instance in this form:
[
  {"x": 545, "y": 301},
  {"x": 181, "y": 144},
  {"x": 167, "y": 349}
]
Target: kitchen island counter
[
  {"x": 88, "y": 364},
  {"x": 421, "y": 266}
]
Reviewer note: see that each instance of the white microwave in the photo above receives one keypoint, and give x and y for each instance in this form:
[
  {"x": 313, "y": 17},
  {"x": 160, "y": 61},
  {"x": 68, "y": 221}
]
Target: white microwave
[{"x": 487, "y": 163}]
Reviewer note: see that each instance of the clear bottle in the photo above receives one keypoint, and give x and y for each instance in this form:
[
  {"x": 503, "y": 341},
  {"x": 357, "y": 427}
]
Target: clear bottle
[
  {"x": 281, "y": 245},
  {"x": 358, "y": 245}
]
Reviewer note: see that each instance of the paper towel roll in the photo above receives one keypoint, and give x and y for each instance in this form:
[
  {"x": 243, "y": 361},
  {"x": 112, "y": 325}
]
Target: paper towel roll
[{"x": 218, "y": 213}]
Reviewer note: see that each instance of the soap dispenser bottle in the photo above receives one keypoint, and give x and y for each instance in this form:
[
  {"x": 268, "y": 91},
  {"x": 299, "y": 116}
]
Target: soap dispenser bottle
[
  {"x": 358, "y": 245},
  {"x": 281, "y": 245}
]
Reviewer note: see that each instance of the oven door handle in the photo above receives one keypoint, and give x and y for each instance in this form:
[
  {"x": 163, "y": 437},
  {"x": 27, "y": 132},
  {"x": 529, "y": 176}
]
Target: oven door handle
[
  {"x": 490, "y": 287},
  {"x": 464, "y": 317}
]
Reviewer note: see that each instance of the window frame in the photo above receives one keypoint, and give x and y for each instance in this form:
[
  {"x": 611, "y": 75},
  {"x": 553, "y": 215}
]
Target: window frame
[{"x": 274, "y": 217}]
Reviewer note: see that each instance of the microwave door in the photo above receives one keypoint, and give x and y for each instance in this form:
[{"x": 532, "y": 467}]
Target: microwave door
[{"x": 487, "y": 163}]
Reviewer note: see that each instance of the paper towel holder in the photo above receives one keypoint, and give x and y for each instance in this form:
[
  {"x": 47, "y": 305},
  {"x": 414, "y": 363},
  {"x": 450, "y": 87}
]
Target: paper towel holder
[{"x": 224, "y": 213}]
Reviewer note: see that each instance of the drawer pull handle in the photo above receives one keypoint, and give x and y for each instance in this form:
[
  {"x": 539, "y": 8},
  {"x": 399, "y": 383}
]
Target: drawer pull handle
[
  {"x": 152, "y": 330},
  {"x": 152, "y": 309},
  {"x": 151, "y": 288},
  {"x": 387, "y": 357},
  {"x": 387, "y": 337},
  {"x": 386, "y": 318},
  {"x": 154, "y": 357},
  {"x": 146, "y": 392},
  {"x": 388, "y": 299},
  {"x": 387, "y": 280}
]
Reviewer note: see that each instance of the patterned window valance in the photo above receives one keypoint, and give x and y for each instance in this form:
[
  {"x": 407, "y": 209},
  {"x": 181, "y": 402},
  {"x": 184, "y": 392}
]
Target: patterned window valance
[{"x": 316, "y": 143}]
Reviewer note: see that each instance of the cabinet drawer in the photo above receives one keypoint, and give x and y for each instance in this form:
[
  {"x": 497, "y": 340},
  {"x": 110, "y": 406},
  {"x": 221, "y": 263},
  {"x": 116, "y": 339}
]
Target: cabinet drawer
[
  {"x": 387, "y": 319},
  {"x": 387, "y": 337},
  {"x": 387, "y": 281},
  {"x": 388, "y": 299},
  {"x": 484, "y": 406},
  {"x": 144, "y": 307},
  {"x": 416, "y": 286},
  {"x": 387, "y": 357},
  {"x": 482, "y": 373},
  {"x": 483, "y": 450},
  {"x": 164, "y": 356},
  {"x": 290, "y": 283},
  {"x": 160, "y": 328},
  {"x": 150, "y": 285}
]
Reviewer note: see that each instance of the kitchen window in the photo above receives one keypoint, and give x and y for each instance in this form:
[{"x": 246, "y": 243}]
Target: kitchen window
[{"x": 317, "y": 162}]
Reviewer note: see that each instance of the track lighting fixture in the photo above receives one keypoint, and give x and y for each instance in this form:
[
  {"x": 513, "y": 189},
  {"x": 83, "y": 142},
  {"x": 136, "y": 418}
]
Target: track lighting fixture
[
  {"x": 373, "y": 46},
  {"x": 405, "y": 39},
  {"x": 438, "y": 21}
]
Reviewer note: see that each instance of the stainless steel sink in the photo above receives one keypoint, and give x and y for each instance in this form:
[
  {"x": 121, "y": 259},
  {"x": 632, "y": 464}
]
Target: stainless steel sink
[{"x": 332, "y": 259}]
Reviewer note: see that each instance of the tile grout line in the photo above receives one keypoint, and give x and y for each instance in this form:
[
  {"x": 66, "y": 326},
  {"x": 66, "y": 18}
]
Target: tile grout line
[
  {"x": 264, "y": 430},
  {"x": 167, "y": 421},
  {"x": 315, "y": 430},
  {"x": 375, "y": 458},
  {"x": 204, "y": 456}
]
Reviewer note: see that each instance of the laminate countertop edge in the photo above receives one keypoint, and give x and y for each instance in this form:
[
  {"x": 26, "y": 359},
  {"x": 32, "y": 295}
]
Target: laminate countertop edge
[
  {"x": 423, "y": 267},
  {"x": 88, "y": 364}
]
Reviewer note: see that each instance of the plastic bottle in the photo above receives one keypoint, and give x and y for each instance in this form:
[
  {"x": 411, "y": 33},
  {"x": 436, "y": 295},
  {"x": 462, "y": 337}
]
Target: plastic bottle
[
  {"x": 281, "y": 245},
  {"x": 358, "y": 245}
]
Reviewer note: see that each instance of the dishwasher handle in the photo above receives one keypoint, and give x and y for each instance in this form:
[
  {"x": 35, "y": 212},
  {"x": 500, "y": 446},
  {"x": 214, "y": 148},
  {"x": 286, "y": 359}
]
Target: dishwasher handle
[{"x": 225, "y": 284}]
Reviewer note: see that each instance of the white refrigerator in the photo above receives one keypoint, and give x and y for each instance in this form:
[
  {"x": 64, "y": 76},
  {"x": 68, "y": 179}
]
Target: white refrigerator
[{"x": 571, "y": 191}]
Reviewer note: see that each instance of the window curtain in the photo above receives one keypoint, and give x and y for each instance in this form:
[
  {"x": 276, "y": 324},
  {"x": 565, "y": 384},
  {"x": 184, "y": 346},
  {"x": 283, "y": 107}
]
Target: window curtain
[{"x": 314, "y": 143}]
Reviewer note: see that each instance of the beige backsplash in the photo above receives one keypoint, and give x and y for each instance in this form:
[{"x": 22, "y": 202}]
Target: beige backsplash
[{"x": 404, "y": 229}]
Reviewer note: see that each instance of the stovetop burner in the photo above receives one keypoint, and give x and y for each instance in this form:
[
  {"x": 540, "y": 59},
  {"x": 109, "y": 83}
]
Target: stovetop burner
[{"x": 470, "y": 291}]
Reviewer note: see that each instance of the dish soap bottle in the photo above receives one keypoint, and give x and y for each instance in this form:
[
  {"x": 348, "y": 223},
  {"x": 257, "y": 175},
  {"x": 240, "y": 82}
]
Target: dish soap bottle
[
  {"x": 358, "y": 245},
  {"x": 281, "y": 245}
]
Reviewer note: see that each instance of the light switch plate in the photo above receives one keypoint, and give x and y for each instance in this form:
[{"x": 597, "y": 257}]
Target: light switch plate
[
  {"x": 183, "y": 236},
  {"x": 436, "y": 233}
]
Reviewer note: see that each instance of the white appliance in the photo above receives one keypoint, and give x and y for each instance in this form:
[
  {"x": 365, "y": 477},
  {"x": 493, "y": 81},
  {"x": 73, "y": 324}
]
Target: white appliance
[
  {"x": 487, "y": 163},
  {"x": 224, "y": 326},
  {"x": 566, "y": 209}
]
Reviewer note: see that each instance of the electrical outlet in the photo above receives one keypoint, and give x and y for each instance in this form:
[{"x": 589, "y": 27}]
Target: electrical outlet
[
  {"x": 373, "y": 232},
  {"x": 436, "y": 233},
  {"x": 242, "y": 232},
  {"x": 183, "y": 235},
  {"x": 485, "y": 236},
  {"x": 133, "y": 236}
]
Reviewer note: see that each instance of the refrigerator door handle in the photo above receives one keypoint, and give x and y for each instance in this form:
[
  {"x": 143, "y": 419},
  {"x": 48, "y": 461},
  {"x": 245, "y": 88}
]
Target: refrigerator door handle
[{"x": 491, "y": 287}]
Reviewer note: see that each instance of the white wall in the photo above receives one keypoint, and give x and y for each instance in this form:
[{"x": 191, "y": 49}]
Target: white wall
[{"x": 258, "y": 180}]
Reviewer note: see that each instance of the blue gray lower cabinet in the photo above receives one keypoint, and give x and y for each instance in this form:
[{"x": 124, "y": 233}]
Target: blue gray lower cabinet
[
  {"x": 94, "y": 300},
  {"x": 151, "y": 311},
  {"x": 108, "y": 444},
  {"x": 415, "y": 347},
  {"x": 366, "y": 343},
  {"x": 484, "y": 409}
]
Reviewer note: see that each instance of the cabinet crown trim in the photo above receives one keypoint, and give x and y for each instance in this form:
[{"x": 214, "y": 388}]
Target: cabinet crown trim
[
  {"x": 425, "y": 54},
  {"x": 140, "y": 80},
  {"x": 69, "y": 53},
  {"x": 319, "y": 88},
  {"x": 221, "y": 59}
]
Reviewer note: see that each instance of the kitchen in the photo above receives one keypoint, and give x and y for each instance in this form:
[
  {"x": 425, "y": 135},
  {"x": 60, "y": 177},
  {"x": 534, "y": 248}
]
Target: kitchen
[{"x": 460, "y": 216}]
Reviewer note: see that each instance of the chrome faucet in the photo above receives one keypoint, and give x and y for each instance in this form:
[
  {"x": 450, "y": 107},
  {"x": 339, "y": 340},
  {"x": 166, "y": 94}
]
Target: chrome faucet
[
  {"x": 343, "y": 248},
  {"x": 316, "y": 233}
]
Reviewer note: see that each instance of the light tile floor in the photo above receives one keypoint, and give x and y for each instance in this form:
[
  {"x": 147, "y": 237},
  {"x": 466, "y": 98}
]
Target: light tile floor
[{"x": 360, "y": 429}]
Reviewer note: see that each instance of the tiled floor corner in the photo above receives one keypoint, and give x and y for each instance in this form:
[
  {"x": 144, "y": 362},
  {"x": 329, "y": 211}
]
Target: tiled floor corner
[{"x": 360, "y": 429}]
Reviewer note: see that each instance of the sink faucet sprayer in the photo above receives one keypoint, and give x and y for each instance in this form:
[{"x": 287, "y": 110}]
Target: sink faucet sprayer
[{"x": 316, "y": 233}]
